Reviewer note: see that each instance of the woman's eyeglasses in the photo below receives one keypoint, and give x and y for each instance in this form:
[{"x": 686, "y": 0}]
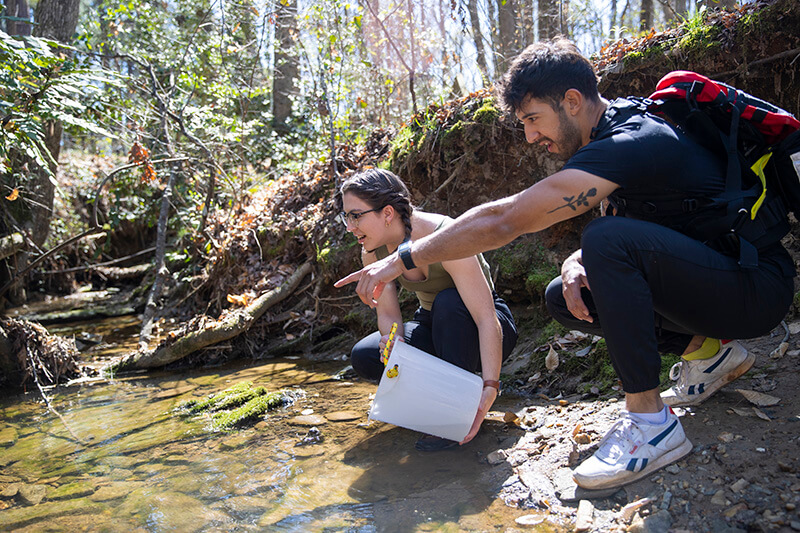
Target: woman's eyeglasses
[{"x": 352, "y": 217}]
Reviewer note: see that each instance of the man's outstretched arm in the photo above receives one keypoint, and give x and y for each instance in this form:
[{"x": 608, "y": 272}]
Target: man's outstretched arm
[{"x": 561, "y": 196}]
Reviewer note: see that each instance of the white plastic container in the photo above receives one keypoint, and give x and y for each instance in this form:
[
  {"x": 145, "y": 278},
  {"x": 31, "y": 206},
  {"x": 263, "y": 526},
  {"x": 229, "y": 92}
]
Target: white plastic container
[{"x": 421, "y": 392}]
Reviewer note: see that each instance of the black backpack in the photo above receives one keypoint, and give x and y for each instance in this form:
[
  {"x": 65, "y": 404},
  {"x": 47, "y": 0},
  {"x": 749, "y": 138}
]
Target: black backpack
[{"x": 760, "y": 143}]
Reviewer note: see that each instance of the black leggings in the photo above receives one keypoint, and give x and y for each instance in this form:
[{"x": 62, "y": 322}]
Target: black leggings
[
  {"x": 653, "y": 289},
  {"x": 446, "y": 331}
]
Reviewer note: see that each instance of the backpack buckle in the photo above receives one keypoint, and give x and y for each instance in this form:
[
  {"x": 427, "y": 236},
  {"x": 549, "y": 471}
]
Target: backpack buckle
[{"x": 689, "y": 205}]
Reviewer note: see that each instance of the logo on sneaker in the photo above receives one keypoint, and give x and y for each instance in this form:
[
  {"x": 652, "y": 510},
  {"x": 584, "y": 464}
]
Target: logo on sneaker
[
  {"x": 636, "y": 464},
  {"x": 722, "y": 357},
  {"x": 632, "y": 464},
  {"x": 701, "y": 388}
]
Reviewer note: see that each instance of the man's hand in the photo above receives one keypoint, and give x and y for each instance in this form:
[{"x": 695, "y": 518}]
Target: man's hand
[
  {"x": 488, "y": 396},
  {"x": 373, "y": 278},
  {"x": 573, "y": 279}
]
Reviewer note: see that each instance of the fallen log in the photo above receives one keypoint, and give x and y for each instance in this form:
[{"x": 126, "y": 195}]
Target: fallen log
[
  {"x": 227, "y": 328},
  {"x": 11, "y": 244}
]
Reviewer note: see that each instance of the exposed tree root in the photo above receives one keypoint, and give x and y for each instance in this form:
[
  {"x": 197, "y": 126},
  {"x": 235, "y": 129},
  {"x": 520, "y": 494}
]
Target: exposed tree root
[{"x": 228, "y": 327}]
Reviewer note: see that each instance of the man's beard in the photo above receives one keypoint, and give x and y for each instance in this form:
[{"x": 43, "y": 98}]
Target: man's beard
[{"x": 569, "y": 136}]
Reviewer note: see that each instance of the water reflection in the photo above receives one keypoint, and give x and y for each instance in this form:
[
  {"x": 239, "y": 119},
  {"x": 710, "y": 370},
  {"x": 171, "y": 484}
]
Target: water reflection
[{"x": 142, "y": 468}]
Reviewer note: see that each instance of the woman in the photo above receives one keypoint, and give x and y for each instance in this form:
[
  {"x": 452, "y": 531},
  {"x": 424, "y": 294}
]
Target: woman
[{"x": 461, "y": 319}]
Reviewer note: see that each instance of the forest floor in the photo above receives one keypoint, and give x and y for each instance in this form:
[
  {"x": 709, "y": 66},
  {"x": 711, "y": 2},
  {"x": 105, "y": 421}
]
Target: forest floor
[{"x": 742, "y": 474}]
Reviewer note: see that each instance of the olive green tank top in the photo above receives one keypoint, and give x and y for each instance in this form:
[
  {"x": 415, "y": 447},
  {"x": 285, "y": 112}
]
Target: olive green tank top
[{"x": 438, "y": 278}]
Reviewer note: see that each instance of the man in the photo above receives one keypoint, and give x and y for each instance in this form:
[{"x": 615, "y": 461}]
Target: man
[{"x": 645, "y": 285}]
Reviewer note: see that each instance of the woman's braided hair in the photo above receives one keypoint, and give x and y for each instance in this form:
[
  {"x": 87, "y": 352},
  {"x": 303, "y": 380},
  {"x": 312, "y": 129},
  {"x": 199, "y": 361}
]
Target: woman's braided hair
[{"x": 379, "y": 188}]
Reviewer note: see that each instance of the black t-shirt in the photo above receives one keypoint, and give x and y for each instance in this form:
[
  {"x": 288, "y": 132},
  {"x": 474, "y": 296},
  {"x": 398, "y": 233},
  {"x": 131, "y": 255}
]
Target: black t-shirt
[
  {"x": 648, "y": 157},
  {"x": 651, "y": 160}
]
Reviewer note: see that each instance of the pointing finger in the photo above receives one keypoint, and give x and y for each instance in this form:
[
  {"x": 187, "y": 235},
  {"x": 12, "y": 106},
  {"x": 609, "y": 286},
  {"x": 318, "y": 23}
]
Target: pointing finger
[{"x": 350, "y": 278}]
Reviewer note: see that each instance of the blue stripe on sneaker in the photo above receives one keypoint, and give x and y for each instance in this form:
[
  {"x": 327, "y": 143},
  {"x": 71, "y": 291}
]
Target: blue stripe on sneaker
[
  {"x": 691, "y": 389},
  {"x": 658, "y": 438},
  {"x": 719, "y": 361},
  {"x": 644, "y": 464},
  {"x": 631, "y": 465},
  {"x": 700, "y": 388}
]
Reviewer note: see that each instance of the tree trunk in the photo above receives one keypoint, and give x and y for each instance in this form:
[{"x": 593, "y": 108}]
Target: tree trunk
[
  {"x": 18, "y": 9},
  {"x": 548, "y": 19},
  {"x": 57, "y": 20},
  {"x": 286, "y": 65},
  {"x": 526, "y": 23},
  {"x": 477, "y": 36},
  {"x": 646, "y": 16},
  {"x": 507, "y": 33}
]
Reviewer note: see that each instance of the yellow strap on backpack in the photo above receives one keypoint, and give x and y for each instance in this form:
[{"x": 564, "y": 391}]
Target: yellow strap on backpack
[{"x": 758, "y": 169}]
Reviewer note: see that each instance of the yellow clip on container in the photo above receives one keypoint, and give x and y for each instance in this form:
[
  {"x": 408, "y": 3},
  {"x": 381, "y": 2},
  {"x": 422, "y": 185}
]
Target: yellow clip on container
[{"x": 421, "y": 392}]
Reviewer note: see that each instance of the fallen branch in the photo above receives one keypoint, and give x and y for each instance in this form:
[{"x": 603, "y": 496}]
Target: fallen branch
[{"x": 227, "y": 328}]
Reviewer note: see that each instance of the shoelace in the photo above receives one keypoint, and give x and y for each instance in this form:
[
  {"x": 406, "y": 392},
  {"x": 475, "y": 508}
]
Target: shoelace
[
  {"x": 675, "y": 374},
  {"x": 618, "y": 440}
]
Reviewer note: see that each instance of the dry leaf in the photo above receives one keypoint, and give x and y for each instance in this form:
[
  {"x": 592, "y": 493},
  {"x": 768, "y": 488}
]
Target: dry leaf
[
  {"x": 551, "y": 361},
  {"x": 584, "y": 352},
  {"x": 759, "y": 398},
  {"x": 13, "y": 196},
  {"x": 238, "y": 299},
  {"x": 779, "y": 352},
  {"x": 760, "y": 414},
  {"x": 741, "y": 411},
  {"x": 577, "y": 429},
  {"x": 510, "y": 417}
]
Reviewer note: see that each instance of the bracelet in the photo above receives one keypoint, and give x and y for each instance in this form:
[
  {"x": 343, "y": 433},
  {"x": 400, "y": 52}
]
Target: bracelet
[
  {"x": 492, "y": 383},
  {"x": 405, "y": 255}
]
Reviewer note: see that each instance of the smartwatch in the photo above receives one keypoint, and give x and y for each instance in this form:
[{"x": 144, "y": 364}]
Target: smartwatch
[{"x": 405, "y": 255}]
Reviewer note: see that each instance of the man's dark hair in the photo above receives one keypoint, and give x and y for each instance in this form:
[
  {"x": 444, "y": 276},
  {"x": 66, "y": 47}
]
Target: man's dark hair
[{"x": 546, "y": 70}]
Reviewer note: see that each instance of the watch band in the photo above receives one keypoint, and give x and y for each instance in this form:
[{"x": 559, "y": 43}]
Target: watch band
[
  {"x": 405, "y": 255},
  {"x": 492, "y": 383}
]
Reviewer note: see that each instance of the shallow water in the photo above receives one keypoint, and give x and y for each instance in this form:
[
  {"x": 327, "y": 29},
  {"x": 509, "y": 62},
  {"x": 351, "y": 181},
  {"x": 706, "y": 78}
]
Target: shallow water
[{"x": 141, "y": 467}]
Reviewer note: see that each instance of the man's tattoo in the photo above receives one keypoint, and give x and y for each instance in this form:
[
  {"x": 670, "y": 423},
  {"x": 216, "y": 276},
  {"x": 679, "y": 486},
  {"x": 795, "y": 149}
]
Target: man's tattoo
[{"x": 574, "y": 203}]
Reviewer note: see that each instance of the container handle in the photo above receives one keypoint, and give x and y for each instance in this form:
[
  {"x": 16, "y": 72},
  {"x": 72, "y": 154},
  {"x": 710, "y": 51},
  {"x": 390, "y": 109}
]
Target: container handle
[{"x": 389, "y": 342}]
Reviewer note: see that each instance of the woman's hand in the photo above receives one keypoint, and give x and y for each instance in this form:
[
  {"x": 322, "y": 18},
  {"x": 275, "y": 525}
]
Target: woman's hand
[
  {"x": 384, "y": 338},
  {"x": 573, "y": 279},
  {"x": 488, "y": 396}
]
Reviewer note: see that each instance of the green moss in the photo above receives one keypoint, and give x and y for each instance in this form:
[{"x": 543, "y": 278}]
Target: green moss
[
  {"x": 539, "y": 277},
  {"x": 667, "y": 360},
  {"x": 487, "y": 113},
  {"x": 406, "y": 140},
  {"x": 254, "y": 409},
  {"x": 454, "y": 134},
  {"x": 525, "y": 263},
  {"x": 700, "y": 36},
  {"x": 550, "y": 330},
  {"x": 232, "y": 397}
]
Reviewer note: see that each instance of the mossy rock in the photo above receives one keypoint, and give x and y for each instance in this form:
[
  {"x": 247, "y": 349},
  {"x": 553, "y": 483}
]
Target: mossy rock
[
  {"x": 253, "y": 410},
  {"x": 238, "y": 405},
  {"x": 229, "y": 398}
]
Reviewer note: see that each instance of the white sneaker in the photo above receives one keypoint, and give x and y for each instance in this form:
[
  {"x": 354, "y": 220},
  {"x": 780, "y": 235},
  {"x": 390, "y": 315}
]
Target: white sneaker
[
  {"x": 632, "y": 450},
  {"x": 698, "y": 380}
]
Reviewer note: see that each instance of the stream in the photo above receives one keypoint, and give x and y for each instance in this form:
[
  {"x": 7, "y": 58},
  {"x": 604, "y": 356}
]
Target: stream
[{"x": 140, "y": 466}]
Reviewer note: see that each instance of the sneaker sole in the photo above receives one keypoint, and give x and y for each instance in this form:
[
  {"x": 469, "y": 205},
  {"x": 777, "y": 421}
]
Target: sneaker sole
[
  {"x": 657, "y": 464},
  {"x": 731, "y": 376}
]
